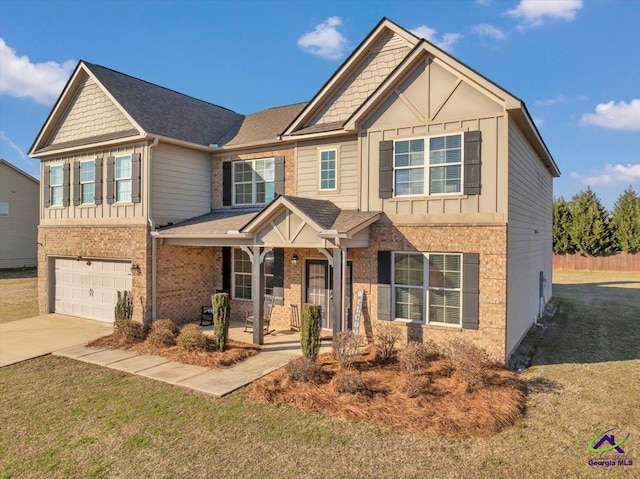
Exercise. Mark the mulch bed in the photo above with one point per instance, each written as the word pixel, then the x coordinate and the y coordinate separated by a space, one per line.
pixel 446 408
pixel 236 352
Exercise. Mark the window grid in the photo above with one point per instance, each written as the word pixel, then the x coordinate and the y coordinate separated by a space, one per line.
pixel 328 169
pixel 55 182
pixel 253 181
pixel 242 273
pixel 87 182
pixel 123 178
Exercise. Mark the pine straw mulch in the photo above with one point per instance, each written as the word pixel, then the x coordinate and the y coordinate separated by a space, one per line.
pixel 236 352
pixel 446 409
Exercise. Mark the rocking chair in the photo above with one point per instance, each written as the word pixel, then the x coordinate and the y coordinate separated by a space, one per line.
pixel 268 308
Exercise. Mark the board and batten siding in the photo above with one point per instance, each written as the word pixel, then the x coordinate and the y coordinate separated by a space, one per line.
pixel 105 213
pixel 308 171
pixel 181 183
pixel 529 236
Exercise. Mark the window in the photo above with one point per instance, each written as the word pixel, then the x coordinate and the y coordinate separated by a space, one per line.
pixel 253 181
pixel 433 277
pixel 56 185
pixel 443 168
pixel 87 179
pixel 4 208
pixel 328 167
pixel 123 178
pixel 242 274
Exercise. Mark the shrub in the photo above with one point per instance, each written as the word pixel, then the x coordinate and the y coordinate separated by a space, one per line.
pixel 192 339
pixel 346 348
pixel 161 337
pixel 304 370
pixel 128 331
pixel 166 324
pixel 416 356
pixel 350 382
pixel 471 362
pixel 221 318
pixel 386 337
pixel 416 385
pixel 310 330
pixel 124 305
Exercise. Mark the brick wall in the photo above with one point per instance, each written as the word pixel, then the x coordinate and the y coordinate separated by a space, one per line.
pixel 99 242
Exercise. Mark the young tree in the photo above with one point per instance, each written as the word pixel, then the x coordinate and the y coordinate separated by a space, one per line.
pixel 589 231
pixel 561 224
pixel 626 221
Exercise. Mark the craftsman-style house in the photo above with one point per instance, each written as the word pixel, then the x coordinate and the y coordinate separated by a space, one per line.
pixel 408 176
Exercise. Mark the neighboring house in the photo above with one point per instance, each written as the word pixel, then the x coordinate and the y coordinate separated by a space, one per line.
pixel 19 200
pixel 408 175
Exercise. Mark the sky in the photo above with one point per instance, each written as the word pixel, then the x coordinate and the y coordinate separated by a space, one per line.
pixel 575 63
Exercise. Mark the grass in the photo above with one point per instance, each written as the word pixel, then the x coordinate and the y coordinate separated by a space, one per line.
pixel 18 294
pixel 62 418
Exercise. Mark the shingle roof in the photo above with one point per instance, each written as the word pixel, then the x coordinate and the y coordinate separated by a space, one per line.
pixel 320 128
pixel 264 125
pixel 322 212
pixel 214 223
pixel 165 112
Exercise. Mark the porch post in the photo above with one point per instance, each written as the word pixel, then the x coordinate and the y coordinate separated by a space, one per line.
pixel 257 293
pixel 336 301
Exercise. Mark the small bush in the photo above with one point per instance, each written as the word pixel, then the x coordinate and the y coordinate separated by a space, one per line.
pixel 127 331
pixel 471 362
pixel 416 356
pixel 350 382
pixel 346 348
pixel 166 324
pixel 304 370
pixel 417 385
pixel 192 339
pixel 124 305
pixel 386 337
pixel 161 337
pixel 310 330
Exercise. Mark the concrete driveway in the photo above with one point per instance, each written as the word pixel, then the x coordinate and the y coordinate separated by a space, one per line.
pixel 29 338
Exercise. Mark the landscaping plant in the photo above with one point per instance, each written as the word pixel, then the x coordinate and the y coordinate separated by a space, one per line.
pixel 310 330
pixel 163 333
pixel 346 348
pixel 192 339
pixel 221 318
pixel 124 305
pixel 386 337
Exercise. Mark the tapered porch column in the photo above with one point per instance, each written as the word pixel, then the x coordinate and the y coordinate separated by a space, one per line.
pixel 337 300
pixel 257 293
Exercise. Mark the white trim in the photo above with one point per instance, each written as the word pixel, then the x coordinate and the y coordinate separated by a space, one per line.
pixel 52 186
pixel 253 183
pixel 335 149
pixel 116 179
pixel 93 182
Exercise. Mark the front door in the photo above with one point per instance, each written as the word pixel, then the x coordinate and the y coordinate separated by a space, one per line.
pixel 319 288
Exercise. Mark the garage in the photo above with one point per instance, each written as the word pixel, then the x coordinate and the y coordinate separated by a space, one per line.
pixel 88 288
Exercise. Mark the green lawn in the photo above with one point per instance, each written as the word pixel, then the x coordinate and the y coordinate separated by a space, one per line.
pixel 18 294
pixel 61 418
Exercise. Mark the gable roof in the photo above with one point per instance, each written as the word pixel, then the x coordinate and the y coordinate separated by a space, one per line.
pixel 18 170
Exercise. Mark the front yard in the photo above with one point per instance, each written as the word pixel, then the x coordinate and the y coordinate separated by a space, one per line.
pixel 18 294
pixel 62 418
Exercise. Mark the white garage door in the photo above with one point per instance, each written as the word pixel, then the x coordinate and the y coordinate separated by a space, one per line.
pixel 89 290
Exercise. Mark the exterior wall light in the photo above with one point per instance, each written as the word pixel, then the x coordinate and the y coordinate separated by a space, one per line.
pixel 294 259
pixel 135 268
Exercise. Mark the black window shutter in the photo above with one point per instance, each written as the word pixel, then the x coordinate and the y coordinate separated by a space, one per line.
pixel 384 285
pixel 470 290
pixel 386 169
pixel 226 183
pixel 76 183
pixel 66 173
pixel 472 143
pixel 97 198
pixel 46 186
pixel 135 178
pixel 110 182
pixel 278 275
pixel 279 175
pixel 226 269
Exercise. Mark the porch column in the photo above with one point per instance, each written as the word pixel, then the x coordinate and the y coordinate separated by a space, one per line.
pixel 257 293
pixel 337 313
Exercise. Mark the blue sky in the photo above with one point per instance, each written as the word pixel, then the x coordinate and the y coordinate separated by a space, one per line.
pixel 575 63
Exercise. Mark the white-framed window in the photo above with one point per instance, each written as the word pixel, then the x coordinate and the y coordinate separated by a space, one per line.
pixel 253 181
pixel 55 182
pixel 242 274
pixel 123 179
pixel 87 182
pixel 427 287
pixel 4 208
pixel 428 166
pixel 328 169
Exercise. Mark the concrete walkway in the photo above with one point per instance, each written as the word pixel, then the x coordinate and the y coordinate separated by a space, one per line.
pixel 29 338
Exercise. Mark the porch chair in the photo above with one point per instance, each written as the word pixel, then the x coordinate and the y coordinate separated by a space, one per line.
pixel 206 316
pixel 268 308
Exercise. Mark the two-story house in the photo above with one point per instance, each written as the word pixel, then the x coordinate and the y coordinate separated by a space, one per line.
pixel 408 176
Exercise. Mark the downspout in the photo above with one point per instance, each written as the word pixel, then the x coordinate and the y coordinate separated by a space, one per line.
pixel 152 228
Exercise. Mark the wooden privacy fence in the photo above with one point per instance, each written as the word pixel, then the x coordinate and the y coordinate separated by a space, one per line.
pixel 615 262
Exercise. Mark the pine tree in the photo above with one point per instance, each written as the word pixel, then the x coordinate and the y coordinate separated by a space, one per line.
pixel 561 224
pixel 589 231
pixel 626 221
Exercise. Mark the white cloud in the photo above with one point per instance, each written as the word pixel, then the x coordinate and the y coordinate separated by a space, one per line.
pixel 21 154
pixel 615 116
pixel 611 175
pixel 21 78
pixel 484 3
pixel 583 97
pixel 552 101
pixel 325 40
pixel 488 30
pixel 539 121
pixel 533 13
pixel 446 42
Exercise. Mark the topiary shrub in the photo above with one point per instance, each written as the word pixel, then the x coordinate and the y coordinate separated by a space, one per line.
pixel 128 332
pixel 163 333
pixel 346 348
pixel 192 338
pixel 304 370
pixel 350 382
pixel 386 337
pixel 124 305
pixel 310 330
pixel 221 318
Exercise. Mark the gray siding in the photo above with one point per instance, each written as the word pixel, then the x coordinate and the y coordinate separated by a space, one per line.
pixel 181 183
pixel 529 210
